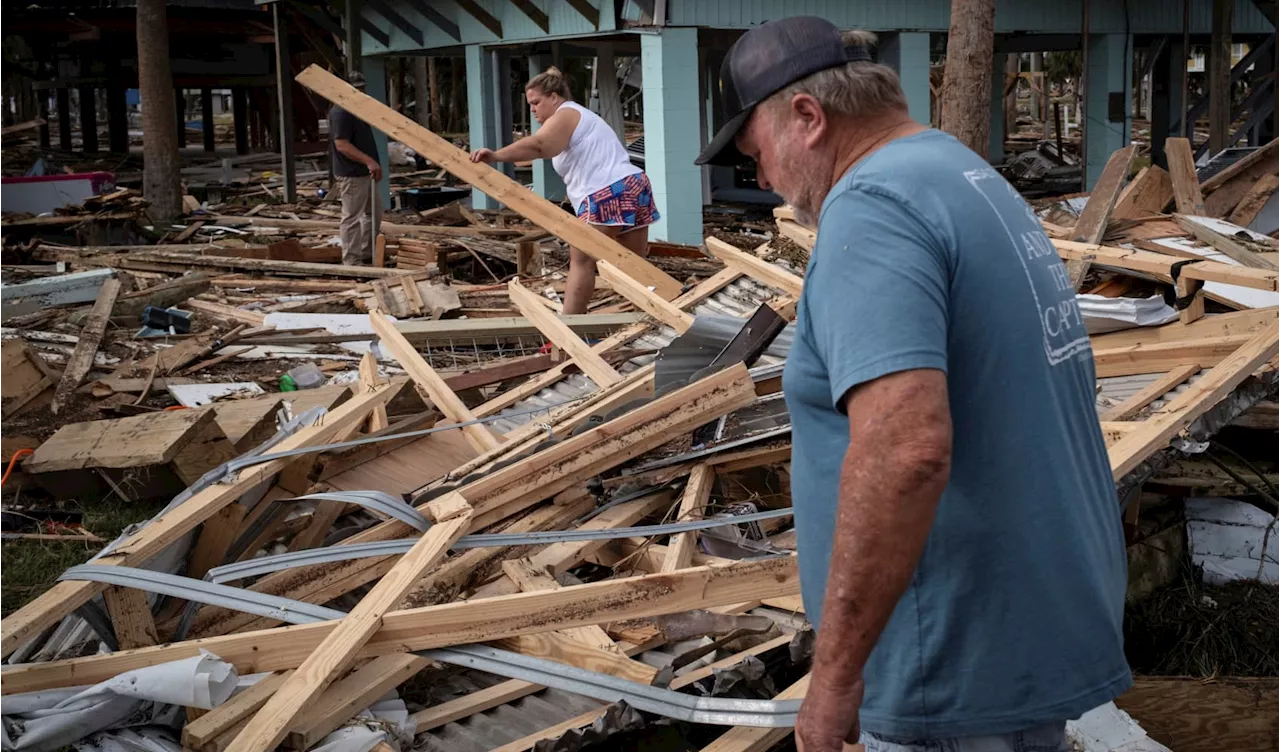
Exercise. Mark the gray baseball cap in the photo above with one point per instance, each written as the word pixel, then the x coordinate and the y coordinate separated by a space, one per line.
pixel 766 60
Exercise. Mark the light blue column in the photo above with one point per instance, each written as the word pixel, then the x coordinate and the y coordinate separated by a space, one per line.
pixel 908 54
pixel 995 148
pixel 482 111
pixel 669 61
pixel 1109 77
pixel 375 73
pixel 546 181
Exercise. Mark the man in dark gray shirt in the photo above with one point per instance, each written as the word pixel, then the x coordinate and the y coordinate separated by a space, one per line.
pixel 354 156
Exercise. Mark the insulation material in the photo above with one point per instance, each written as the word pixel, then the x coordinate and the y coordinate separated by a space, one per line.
pixel 199 395
pixel 385 721
pixel 1107 728
pixel 42 721
pixel 1232 540
pixel 145 739
pixel 1102 314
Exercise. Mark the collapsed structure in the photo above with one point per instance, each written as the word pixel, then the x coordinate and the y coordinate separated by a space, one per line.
pixel 556 543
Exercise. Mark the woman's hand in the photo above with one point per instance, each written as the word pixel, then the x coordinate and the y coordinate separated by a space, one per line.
pixel 483 155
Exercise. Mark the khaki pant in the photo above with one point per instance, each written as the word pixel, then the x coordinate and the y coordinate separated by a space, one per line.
pixel 357 219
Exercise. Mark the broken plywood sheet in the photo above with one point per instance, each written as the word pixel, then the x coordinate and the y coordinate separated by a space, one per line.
pixel 249 422
pixel 409 467
pixel 1233 295
pixel 24 376
pixel 199 395
pixel 334 323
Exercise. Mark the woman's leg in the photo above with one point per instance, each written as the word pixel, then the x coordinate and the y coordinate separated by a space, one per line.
pixel 582 268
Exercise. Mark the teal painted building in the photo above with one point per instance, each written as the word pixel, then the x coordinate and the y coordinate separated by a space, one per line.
pixel 680 44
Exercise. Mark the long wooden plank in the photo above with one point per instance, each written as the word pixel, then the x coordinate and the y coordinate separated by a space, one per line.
pixel 1213 325
pixel 470 704
pixel 458 163
pixel 757 739
pixel 1092 224
pixel 562 336
pixel 1209 389
pixel 352 694
pixel 1187 197
pixel 1160 265
pixel 336 652
pixel 1247 210
pixel 798 234
pixel 66 597
pixel 1161 357
pixel 81 359
pixel 301 268
pixel 447 624
pixel 425 376
pixel 657 307
pixel 559 647
pixel 1150 393
pixel 1238 168
pixel 696 492
pixel 529 578
pixel 226 716
pixel 756 267
pixel 1222 243
pixel 130 617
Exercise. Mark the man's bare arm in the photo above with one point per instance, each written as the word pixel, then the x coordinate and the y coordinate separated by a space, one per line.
pixel 349 150
pixel 894 472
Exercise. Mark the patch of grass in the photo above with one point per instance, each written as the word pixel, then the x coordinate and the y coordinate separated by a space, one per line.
pixel 32 567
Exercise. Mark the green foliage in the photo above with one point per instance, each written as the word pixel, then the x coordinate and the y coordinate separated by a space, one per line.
pixel 1060 66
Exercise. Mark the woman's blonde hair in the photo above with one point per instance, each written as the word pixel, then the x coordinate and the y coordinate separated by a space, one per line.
pixel 551 81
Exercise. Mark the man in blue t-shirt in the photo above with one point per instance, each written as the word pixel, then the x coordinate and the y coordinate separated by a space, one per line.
pixel 957 525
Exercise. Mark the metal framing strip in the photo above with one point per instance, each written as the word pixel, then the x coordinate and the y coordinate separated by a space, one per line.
pixel 379 501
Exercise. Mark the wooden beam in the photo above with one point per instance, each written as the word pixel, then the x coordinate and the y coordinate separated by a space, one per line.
pixel 529 578
pixel 1161 357
pixel 696 492
pixel 1092 224
pixel 1261 192
pixel 587 11
pixel 435 17
pixel 1147 194
pixel 130 617
pixel 486 19
pixel 1269 151
pixel 1207 391
pixel 654 305
pixel 556 646
pixel 66 597
pixel 425 376
pixel 758 739
pixel 1182 171
pixel 354 693
pixel 81 359
pixel 385 10
pixel 756 267
pixel 1222 243
pixel 798 234
pixel 472 703
pixel 1214 325
pixel 1150 393
pixel 369 381
pixel 1190 296
pixel 534 13
pixel 485 178
pixel 562 336
pixel 226 716
pixel 1161 265
pixel 338 649
pixel 447 624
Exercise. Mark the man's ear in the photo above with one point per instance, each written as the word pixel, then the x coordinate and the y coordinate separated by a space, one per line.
pixel 811 118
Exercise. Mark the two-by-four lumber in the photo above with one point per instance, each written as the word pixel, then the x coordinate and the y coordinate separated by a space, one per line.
pixel 529 578
pixel 338 650
pixel 1092 224
pixel 1223 243
pixel 423 375
pixel 1160 357
pixel 350 695
pixel 1147 194
pixel 798 234
pixel 1212 325
pixel 1161 265
pixel 1247 210
pixel 446 624
pixel 760 739
pixel 131 617
pixel 226 716
pixel 1156 431
pixel 756 267
pixel 654 305
pixel 562 336
pixel 1182 172
pixel 1152 392
pixel 370 380
pixel 81 359
pixel 494 183
pixel 65 597
pixel 696 492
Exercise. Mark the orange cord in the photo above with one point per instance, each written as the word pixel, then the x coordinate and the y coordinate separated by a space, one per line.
pixel 14 461
pixel 175 407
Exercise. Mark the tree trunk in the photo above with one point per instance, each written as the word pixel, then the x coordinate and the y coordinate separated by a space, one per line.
pixel 966 81
pixel 455 97
pixel 420 111
pixel 160 178
pixel 433 93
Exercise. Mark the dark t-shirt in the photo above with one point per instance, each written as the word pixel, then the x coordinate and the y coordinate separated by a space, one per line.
pixel 343 124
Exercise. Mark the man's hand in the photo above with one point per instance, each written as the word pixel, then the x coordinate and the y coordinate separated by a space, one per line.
pixel 828 719
pixel 483 155
pixel 375 169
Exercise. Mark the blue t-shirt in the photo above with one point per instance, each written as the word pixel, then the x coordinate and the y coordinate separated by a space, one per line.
pixel 927 258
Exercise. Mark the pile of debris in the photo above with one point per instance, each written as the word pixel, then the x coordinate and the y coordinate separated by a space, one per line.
pixel 464 539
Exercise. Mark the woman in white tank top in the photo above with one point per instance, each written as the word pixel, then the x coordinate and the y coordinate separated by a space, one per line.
pixel 607 191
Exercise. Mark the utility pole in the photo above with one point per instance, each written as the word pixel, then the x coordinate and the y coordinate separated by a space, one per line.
pixel 160 178
pixel 965 110
pixel 1219 80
